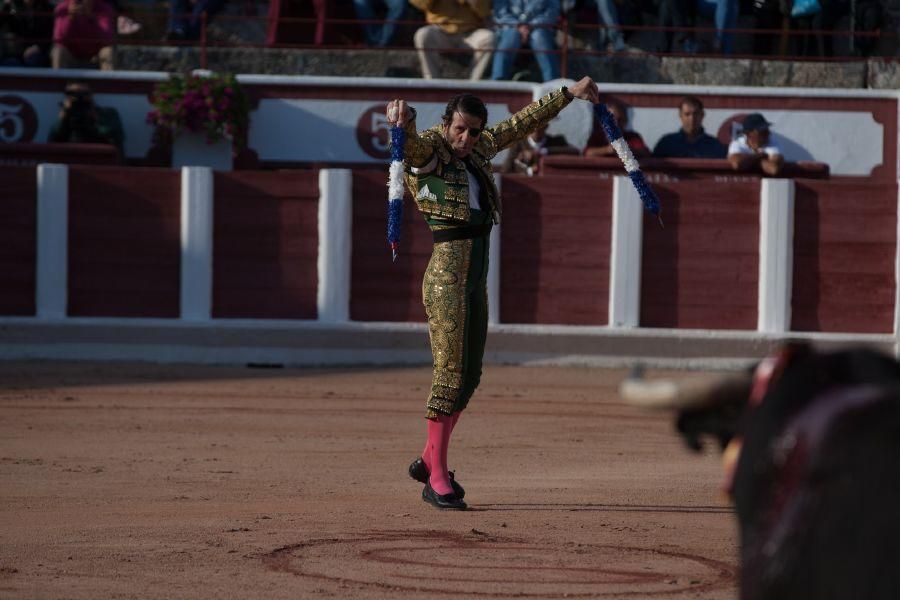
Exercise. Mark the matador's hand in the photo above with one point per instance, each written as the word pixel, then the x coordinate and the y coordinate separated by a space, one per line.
pixel 586 89
pixel 398 112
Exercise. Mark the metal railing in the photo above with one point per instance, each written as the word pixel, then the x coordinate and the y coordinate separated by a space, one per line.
pixel 574 39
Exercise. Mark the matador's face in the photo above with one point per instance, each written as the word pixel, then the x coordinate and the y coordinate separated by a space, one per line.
pixel 462 133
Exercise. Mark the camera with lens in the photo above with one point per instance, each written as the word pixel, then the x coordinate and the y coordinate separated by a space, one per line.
pixel 79 99
pixel 79 108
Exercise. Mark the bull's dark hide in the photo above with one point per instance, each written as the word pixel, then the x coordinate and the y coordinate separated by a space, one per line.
pixel 817 485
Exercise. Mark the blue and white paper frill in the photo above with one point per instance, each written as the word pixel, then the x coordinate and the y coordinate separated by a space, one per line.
pixel 395 190
pixel 617 140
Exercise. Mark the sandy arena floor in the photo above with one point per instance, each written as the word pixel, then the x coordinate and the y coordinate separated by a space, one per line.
pixel 149 481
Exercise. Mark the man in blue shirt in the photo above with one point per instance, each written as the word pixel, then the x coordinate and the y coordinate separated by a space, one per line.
pixel 690 141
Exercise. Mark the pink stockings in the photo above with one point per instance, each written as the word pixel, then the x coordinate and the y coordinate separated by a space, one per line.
pixel 435 453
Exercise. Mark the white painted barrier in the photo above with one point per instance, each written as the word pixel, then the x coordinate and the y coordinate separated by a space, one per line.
pixel 195 336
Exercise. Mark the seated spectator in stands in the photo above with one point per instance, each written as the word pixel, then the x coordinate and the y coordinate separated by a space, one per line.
pixel 753 149
pixel 81 121
pixel 677 13
pixel 84 32
pixel 525 155
pixel 454 24
pixel 186 17
pixel 284 24
pixel 725 14
pixel 379 35
pixel 768 15
pixel 869 18
pixel 26 33
pixel 690 141
pixel 607 21
pixel 521 22
pixel 610 36
pixel 866 16
pixel 685 13
pixel 598 144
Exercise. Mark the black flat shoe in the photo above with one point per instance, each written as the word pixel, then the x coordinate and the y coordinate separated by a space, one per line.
pixel 419 472
pixel 444 502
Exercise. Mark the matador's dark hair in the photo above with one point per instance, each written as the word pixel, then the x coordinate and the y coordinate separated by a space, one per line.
pixel 466 104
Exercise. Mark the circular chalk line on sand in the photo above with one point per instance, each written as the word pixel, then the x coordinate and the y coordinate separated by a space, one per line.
pixel 382 548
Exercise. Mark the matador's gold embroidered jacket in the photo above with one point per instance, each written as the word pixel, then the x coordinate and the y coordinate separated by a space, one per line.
pixel 443 191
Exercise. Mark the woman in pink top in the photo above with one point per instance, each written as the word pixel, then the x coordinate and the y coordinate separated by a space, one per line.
pixel 83 31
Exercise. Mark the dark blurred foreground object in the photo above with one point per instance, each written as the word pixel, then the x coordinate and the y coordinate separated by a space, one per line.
pixel 811 441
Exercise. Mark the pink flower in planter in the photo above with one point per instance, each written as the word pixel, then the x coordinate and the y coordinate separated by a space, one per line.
pixel 214 106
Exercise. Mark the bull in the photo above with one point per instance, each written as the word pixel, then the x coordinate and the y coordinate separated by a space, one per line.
pixel 811 446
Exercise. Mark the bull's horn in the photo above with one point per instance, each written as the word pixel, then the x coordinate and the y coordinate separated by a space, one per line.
pixel 685 394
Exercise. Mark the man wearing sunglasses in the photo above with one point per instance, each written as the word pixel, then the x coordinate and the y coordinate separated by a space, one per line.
pixel 448 172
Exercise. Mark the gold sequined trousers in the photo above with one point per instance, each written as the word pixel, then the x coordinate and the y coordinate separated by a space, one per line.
pixel 454 291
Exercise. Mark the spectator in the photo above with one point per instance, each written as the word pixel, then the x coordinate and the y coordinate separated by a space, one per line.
pixel 610 36
pixel 526 154
pixel 753 149
pixel 83 34
pixel 598 144
pixel 677 13
pixel 768 15
pixel 379 35
pixel 869 17
pixel 82 121
pixel 865 16
pixel 186 17
pixel 690 141
pixel 684 13
pixel 26 31
pixel 283 24
pixel 454 24
pixel 529 22
pixel 725 14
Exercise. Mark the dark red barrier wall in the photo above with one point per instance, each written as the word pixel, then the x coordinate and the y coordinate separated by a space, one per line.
pixel 18 240
pixel 382 290
pixel 124 242
pixel 265 244
pixel 702 270
pixel 555 242
pixel 844 253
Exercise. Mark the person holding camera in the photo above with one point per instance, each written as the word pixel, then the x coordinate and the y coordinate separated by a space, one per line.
pixel 81 121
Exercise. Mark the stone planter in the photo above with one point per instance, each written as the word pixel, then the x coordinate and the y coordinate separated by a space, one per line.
pixel 192 150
